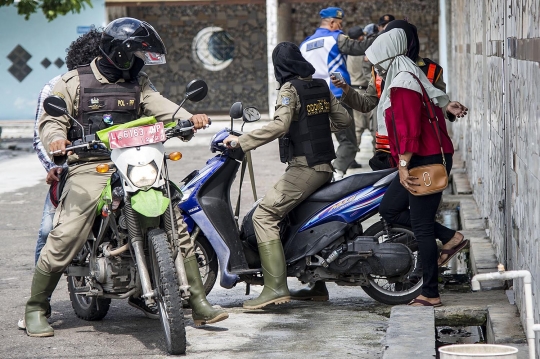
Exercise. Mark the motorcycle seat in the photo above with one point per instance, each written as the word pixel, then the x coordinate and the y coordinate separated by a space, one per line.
pixel 337 190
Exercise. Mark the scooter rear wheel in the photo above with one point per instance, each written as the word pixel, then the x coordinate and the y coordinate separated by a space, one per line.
pixel 380 288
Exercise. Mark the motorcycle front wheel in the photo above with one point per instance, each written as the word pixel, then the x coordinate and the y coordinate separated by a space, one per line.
pixel 167 291
pixel 394 293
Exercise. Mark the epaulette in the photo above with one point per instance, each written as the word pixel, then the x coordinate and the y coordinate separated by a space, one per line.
pixel 69 75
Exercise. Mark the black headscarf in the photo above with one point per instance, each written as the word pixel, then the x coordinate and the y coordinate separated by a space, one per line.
pixel 112 74
pixel 289 63
pixel 413 44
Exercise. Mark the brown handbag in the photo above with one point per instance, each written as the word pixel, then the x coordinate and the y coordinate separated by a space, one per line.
pixel 431 178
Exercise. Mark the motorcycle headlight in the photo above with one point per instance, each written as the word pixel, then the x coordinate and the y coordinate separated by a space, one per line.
pixel 143 176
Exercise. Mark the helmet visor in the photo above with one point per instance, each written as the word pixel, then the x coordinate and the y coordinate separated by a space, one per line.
pixel 151 58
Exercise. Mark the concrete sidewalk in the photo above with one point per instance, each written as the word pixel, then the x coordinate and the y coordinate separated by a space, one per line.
pixel 490 307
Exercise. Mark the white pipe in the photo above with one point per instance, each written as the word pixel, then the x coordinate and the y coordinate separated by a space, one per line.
pixel 526 275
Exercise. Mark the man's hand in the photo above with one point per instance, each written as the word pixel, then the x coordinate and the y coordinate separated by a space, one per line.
pixel 53 175
pixel 200 121
pixel 228 140
pixel 58 148
pixel 340 84
pixel 407 180
pixel 457 109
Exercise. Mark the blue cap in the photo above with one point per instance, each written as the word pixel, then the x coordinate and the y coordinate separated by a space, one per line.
pixel 334 12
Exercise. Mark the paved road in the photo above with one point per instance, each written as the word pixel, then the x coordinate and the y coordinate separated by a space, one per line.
pixel 350 325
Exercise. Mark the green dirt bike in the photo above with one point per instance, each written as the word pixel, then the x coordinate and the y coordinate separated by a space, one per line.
pixel 132 249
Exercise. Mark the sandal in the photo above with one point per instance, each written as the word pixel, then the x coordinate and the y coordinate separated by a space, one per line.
pixel 453 251
pixel 423 303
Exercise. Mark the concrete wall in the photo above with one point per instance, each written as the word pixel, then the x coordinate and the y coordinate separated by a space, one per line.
pixel 495 60
pixel 423 14
pixel 33 52
pixel 245 78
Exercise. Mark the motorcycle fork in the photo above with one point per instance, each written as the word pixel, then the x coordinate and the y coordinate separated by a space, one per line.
pixel 169 221
pixel 136 239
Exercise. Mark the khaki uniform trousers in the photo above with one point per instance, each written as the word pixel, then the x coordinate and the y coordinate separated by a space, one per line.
pixel 362 121
pixel 297 183
pixel 75 216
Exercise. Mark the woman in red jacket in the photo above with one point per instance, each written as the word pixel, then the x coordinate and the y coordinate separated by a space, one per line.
pixel 413 143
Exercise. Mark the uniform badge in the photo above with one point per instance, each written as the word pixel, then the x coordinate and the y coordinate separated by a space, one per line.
pixel 59 94
pixel 95 104
pixel 285 101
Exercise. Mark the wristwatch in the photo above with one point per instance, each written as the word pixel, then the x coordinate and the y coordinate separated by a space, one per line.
pixel 403 163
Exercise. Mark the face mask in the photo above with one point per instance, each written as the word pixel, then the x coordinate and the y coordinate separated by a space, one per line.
pixel 382 71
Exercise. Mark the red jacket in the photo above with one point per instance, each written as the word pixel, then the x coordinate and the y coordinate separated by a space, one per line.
pixel 415 133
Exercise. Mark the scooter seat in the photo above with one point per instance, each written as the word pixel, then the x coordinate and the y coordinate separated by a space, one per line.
pixel 337 190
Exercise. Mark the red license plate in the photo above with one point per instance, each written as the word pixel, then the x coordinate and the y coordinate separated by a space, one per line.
pixel 137 136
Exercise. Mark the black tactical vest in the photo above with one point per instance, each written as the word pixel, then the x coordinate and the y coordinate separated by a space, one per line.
pixel 311 135
pixel 104 105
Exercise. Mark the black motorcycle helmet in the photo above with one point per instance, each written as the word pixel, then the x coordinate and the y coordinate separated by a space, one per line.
pixel 126 37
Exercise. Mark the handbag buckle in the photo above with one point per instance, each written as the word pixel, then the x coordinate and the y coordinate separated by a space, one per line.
pixel 424 176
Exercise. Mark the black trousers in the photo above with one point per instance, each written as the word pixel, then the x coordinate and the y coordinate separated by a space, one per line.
pixel 399 206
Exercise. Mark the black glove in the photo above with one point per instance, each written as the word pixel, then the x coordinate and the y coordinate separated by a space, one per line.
pixel 183 129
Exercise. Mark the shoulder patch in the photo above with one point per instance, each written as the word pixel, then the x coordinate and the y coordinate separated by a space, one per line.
pixel 59 94
pixel 285 101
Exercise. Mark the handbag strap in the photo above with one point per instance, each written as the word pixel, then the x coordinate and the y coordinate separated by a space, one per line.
pixel 432 115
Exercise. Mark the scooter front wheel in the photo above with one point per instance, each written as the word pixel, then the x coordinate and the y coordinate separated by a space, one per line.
pixel 394 293
pixel 207 261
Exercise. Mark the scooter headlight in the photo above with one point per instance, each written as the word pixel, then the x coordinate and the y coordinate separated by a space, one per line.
pixel 143 176
pixel 186 194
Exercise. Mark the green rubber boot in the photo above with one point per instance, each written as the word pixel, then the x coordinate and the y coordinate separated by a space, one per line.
pixel 201 311
pixel 43 285
pixel 314 291
pixel 275 289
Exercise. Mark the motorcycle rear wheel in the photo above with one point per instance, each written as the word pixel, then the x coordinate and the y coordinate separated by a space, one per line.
pixel 401 292
pixel 165 282
pixel 86 308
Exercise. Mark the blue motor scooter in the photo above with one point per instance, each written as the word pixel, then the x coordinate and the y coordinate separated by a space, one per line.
pixel 323 238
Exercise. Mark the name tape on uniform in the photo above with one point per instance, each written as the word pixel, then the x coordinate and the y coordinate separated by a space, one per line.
pixel 321 106
pixel 315 45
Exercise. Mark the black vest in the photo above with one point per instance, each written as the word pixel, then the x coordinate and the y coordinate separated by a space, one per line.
pixel 104 105
pixel 311 135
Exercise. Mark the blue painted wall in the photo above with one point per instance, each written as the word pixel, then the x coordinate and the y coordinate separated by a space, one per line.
pixel 41 39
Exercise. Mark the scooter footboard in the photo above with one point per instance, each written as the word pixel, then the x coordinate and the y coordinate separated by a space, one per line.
pixel 364 255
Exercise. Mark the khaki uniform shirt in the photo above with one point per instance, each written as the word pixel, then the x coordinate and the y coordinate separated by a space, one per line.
pixel 355 68
pixel 152 103
pixel 349 46
pixel 287 110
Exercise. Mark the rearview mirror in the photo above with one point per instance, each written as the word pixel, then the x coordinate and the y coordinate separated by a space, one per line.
pixel 196 90
pixel 237 110
pixel 251 114
pixel 55 106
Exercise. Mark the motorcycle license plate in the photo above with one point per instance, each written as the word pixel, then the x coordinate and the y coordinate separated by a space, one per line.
pixel 137 136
